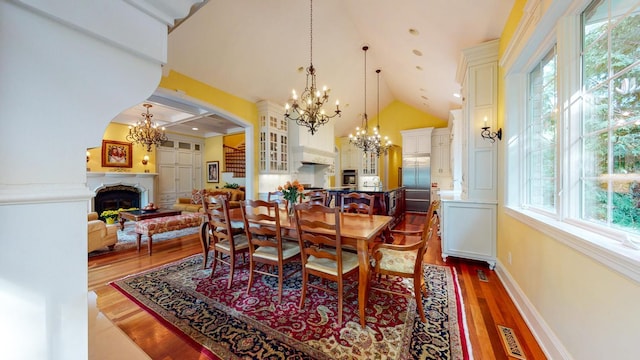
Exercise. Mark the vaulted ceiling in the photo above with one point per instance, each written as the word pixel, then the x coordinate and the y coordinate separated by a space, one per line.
pixel 258 50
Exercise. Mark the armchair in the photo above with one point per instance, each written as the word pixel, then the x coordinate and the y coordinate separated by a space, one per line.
pixel 100 234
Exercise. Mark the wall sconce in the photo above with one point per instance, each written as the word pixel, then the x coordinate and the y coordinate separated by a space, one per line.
pixel 487 134
pixel 88 156
pixel 145 161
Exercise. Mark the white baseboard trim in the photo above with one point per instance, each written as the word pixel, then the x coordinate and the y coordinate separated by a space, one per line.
pixel 548 341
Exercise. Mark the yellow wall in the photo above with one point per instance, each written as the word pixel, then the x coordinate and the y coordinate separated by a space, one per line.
pixel 591 309
pixel 243 109
pixel 234 140
pixel 118 132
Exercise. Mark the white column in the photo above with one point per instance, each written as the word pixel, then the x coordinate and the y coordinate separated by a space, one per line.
pixel 67 68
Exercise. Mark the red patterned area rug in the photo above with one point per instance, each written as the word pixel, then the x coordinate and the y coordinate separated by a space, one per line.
pixel 231 324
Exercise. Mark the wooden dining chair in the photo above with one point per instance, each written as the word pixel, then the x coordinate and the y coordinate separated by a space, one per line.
pixel 406 260
pixel 267 247
pixel 358 203
pixel 205 238
pixel 227 241
pixel 315 196
pixel 278 197
pixel 321 253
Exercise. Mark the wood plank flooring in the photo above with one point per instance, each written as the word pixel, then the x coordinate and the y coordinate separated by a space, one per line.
pixel 487 304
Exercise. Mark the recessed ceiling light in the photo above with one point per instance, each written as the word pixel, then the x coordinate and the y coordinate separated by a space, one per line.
pixel 456 95
pixel 414 32
pixel 424 97
pixel 301 69
pixel 417 52
pixel 194 129
pixel 421 89
pixel 419 67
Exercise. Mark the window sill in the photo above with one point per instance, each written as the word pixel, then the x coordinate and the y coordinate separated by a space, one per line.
pixel 605 250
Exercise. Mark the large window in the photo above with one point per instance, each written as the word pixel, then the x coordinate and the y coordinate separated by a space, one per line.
pixel 610 133
pixel 573 153
pixel 542 134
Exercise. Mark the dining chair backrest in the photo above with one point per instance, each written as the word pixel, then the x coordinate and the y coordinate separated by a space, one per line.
pixel 432 223
pixel 278 197
pixel 317 235
pixel 358 203
pixel 217 210
pixel 315 196
pixel 261 220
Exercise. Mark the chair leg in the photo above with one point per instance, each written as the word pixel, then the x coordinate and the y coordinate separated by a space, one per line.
pixel 252 265
pixel 215 262
pixel 280 281
pixel 340 295
pixel 305 278
pixel 232 264
pixel 417 290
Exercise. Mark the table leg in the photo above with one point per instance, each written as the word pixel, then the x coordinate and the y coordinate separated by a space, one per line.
pixel 363 284
pixel 121 223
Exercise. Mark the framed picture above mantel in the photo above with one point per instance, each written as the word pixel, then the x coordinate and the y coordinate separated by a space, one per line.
pixel 116 154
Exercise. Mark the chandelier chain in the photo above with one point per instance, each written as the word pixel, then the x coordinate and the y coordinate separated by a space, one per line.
pixel 380 146
pixel 311 33
pixel 307 110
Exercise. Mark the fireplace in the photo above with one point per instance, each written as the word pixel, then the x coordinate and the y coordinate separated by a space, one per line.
pixel 131 190
pixel 116 197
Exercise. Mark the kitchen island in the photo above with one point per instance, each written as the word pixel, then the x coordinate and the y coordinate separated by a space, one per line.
pixel 389 201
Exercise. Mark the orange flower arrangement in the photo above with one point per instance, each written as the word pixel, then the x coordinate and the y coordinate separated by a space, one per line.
pixel 291 191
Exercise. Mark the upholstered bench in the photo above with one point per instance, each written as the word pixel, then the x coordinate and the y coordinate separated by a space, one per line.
pixel 159 225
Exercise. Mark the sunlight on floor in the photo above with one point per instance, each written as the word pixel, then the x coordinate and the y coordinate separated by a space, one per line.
pixel 104 337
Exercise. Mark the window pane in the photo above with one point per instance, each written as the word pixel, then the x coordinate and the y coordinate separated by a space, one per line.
pixel 541 135
pixel 610 194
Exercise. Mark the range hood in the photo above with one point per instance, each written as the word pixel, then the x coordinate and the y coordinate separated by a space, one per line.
pixel 304 155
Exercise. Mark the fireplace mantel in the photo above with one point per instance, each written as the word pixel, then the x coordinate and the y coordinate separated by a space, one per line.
pixel 144 182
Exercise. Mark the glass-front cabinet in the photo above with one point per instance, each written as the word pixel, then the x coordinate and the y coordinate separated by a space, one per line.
pixel 274 139
pixel 369 163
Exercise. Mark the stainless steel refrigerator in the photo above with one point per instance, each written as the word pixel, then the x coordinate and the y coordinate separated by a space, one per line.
pixel 416 178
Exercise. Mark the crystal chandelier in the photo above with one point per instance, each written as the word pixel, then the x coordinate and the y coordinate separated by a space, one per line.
pixel 382 145
pixel 362 139
pixel 307 111
pixel 145 132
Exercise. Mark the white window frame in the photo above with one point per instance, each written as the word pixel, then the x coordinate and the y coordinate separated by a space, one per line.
pixel 561 25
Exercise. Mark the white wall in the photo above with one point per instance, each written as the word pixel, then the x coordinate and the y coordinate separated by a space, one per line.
pixel 67 68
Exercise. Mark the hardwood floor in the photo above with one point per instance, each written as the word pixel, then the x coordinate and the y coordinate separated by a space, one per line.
pixel 486 303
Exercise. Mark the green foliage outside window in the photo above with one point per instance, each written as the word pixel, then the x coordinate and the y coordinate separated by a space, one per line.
pixel 611 115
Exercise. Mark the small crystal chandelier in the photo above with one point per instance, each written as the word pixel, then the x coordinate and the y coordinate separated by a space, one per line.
pixel 382 145
pixel 307 111
pixel 362 139
pixel 145 132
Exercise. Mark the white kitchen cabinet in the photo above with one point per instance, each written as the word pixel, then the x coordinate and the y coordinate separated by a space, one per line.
pixel 416 141
pixel 469 230
pixel 273 148
pixel 369 163
pixel 440 153
pixel 456 140
pixel 480 106
pixel 350 156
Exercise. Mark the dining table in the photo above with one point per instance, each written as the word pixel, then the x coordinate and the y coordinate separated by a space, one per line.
pixel 357 230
